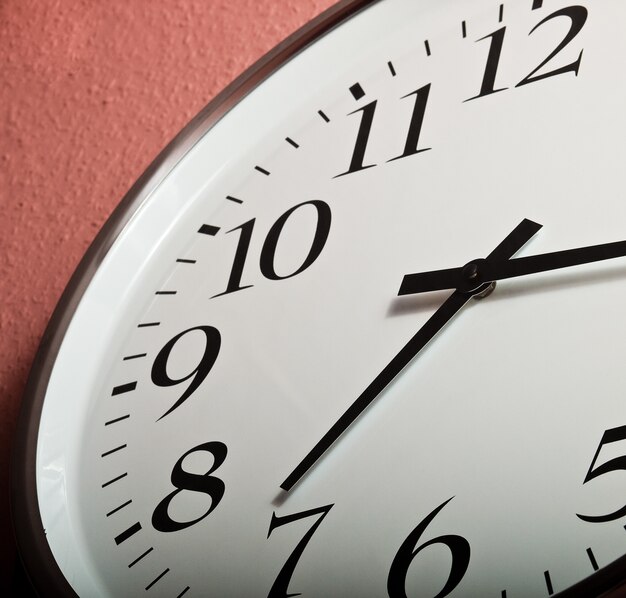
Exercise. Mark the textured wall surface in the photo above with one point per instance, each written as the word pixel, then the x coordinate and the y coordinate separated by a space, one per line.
pixel 89 93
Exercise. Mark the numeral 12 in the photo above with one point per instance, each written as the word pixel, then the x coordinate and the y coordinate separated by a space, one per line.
pixel 577 16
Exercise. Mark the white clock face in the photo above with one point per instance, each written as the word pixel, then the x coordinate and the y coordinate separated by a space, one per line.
pixel 252 299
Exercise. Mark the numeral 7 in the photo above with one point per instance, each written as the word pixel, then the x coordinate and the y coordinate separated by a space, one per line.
pixel 280 589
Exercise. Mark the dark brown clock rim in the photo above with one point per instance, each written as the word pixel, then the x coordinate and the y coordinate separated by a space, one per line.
pixel 41 567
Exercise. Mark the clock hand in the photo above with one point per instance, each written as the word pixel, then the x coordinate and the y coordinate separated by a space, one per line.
pixel 479 272
pixel 511 244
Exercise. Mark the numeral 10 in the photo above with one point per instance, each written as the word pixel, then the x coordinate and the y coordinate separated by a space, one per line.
pixel 268 251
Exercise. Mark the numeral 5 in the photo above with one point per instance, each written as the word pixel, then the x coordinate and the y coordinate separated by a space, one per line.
pixel 617 464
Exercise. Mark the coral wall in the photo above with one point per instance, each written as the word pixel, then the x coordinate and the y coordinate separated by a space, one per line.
pixel 90 92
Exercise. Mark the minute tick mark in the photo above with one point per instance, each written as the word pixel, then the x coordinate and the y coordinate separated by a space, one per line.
pixel 116 479
pixel 141 557
pixel 464 29
pixel 427 46
pixel 166 293
pixel 138 356
pixel 183 261
pixel 183 592
pixel 546 574
pixel 262 170
pixel 118 448
pixel 157 579
pixel 116 509
pixel 149 325
pixel 117 419
pixel 392 70
pixel 291 142
pixel 501 13
pixel 231 198
pixel 323 115
pixel 592 559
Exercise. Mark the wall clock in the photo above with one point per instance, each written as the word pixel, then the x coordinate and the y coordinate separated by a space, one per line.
pixel 359 331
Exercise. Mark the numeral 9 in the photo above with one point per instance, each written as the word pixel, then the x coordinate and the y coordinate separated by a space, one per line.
pixel 160 377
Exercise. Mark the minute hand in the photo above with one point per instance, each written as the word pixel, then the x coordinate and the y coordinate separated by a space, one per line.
pixel 456 278
pixel 511 244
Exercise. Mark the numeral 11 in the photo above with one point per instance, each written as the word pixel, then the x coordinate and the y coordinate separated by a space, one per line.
pixel 357 163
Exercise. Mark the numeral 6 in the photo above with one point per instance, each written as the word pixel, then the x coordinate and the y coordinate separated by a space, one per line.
pixel 459 547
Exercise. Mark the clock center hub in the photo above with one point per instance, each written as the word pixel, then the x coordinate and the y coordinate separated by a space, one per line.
pixel 471 272
pixel 474 281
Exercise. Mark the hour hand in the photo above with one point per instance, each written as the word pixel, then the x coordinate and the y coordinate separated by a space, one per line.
pixel 467 276
pixel 435 280
pixel 479 272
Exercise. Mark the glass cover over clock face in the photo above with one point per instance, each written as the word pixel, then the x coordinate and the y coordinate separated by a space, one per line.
pixel 229 413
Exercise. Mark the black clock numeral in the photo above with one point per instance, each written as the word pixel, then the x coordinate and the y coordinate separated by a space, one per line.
pixel 616 464
pixel 578 17
pixel 185 481
pixel 362 138
pixel 280 588
pixel 159 374
pixel 493 60
pixel 412 138
pixel 270 246
pixel 459 547
pixel 415 126
pixel 322 229
pixel 241 253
